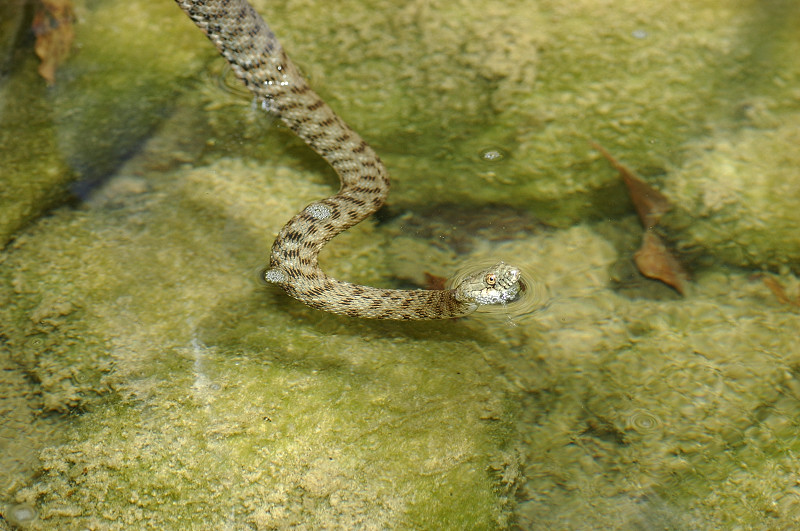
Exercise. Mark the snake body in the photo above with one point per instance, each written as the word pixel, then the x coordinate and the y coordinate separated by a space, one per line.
pixel 258 59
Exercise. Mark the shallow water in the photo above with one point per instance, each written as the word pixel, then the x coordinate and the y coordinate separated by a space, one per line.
pixel 151 381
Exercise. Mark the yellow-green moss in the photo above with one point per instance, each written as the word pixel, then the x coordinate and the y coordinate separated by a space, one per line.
pixel 34 174
pixel 121 82
pixel 335 425
pixel 737 197
pixel 433 86
pixel 200 396
pixel 116 86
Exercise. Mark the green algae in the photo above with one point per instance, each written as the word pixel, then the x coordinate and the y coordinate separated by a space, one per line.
pixel 655 84
pixel 199 396
pixel 259 441
pixel 738 197
pixel 336 425
pixel 35 176
pixel 23 432
pixel 269 413
pixel 539 81
pixel 112 95
pixel 645 81
pixel 12 17
pixel 645 413
pixel 109 96
pixel 734 190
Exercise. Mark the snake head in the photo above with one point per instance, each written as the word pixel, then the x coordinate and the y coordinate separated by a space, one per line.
pixel 498 284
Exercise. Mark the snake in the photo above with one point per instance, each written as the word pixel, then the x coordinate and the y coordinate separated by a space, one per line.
pixel 257 58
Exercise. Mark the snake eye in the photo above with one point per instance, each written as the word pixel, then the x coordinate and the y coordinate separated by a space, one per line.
pixel 491 279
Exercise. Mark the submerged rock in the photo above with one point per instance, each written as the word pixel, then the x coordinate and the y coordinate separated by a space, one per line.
pixel 187 393
pixel 738 197
pixel 108 97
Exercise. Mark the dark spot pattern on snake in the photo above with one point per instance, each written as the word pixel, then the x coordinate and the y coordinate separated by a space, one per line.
pixel 258 59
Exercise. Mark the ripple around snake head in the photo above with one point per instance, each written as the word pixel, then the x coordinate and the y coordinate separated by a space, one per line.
pixel 531 298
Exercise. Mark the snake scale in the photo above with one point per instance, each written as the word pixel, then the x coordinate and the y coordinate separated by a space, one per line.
pixel 258 59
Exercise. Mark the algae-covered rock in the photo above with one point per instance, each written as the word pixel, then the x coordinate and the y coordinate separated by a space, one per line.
pixel 449 82
pixel 652 414
pixel 434 86
pixel 232 404
pixel 34 174
pixel 108 97
pixel 12 18
pixel 196 396
pixel 273 413
pixel 122 82
pixel 736 191
pixel 737 198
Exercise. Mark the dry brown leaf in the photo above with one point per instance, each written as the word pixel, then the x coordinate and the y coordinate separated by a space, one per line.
pixel 655 260
pixel 650 203
pixel 53 27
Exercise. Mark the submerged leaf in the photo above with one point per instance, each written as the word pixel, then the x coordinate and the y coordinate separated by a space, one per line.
pixel 52 25
pixel 650 203
pixel 655 260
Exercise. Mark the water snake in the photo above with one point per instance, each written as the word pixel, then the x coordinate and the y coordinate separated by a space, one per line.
pixel 258 59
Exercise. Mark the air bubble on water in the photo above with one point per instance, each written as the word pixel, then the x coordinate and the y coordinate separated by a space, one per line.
pixel 492 154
